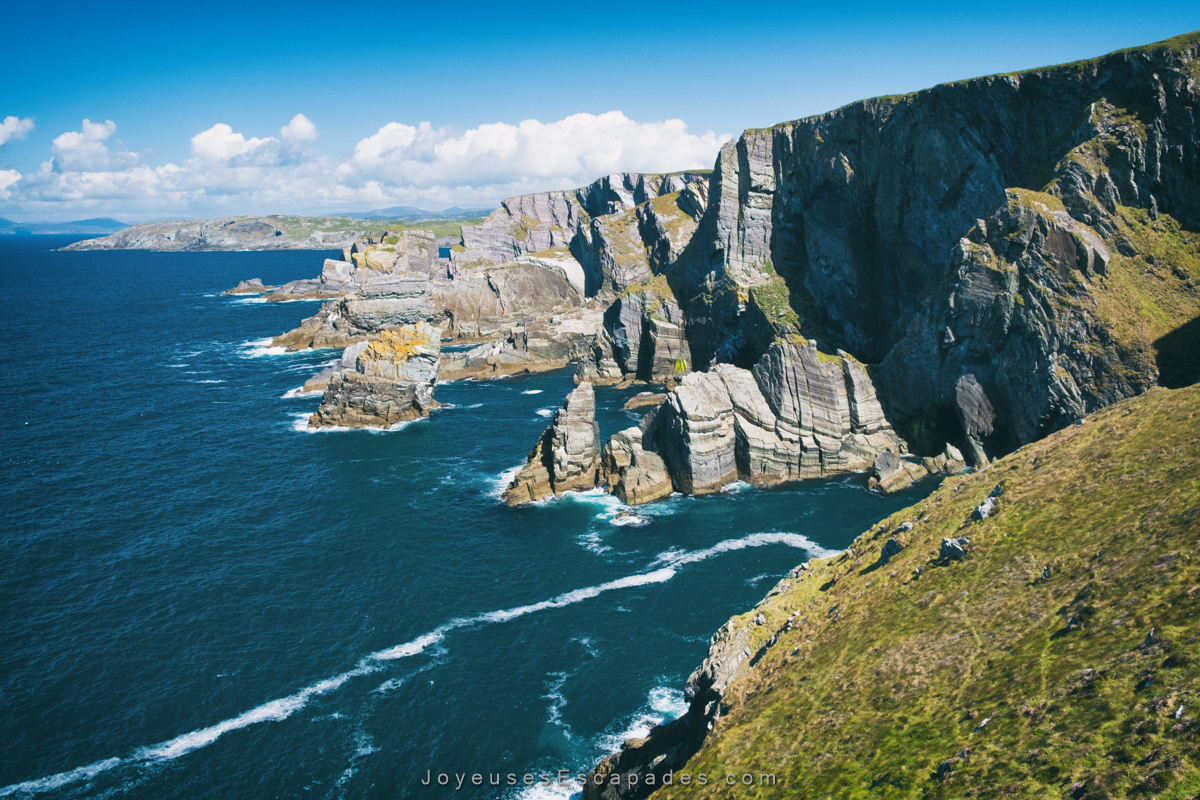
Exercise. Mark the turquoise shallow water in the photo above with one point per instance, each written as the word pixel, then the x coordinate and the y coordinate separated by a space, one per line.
pixel 201 599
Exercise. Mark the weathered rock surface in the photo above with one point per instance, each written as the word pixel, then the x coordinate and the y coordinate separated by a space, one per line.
pixel 797 414
pixel 368 264
pixel 235 233
pixel 634 475
pixel 392 381
pixel 548 220
pixel 645 399
pixel 531 344
pixel 567 455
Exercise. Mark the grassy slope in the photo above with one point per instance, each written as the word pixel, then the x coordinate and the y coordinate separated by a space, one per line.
pixel 895 674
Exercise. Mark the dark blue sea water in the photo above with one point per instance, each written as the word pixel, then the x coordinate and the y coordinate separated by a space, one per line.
pixel 201 599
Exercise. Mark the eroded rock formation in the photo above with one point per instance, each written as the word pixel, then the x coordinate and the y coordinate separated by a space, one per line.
pixel 392 381
pixel 567 455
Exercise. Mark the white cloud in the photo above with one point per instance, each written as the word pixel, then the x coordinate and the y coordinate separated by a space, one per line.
pixel 13 128
pixel 7 178
pixel 84 150
pixel 220 145
pixel 300 130
pixel 400 164
pixel 577 149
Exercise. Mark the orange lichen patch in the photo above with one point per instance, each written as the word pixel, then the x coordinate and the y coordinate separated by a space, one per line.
pixel 400 345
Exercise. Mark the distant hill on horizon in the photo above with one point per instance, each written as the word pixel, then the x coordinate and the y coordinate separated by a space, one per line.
pixel 413 214
pixel 99 225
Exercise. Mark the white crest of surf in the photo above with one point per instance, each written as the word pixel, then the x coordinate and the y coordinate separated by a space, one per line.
pixel 663 704
pixel 300 425
pixel 257 348
pixel 545 412
pixel 677 558
pixel 501 481
pixel 291 394
pixel 533 391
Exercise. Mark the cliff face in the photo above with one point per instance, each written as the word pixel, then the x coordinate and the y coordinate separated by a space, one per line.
pixel 1043 648
pixel 538 222
pixel 980 240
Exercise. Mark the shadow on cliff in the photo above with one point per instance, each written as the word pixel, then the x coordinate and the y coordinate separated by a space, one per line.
pixel 1177 356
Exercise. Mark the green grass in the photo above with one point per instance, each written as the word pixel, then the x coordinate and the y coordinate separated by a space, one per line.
pixel 894 674
pixel 443 227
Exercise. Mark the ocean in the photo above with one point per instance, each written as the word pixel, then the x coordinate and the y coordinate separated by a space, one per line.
pixel 201 598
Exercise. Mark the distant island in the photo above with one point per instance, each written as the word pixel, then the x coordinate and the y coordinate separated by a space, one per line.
pixel 276 232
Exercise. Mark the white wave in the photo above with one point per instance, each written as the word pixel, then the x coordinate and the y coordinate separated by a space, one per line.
pixel 629 521
pixel 755 580
pixel 501 481
pixel 300 425
pixel 533 391
pixel 662 705
pixel 545 412
pixel 676 558
pixel 258 299
pixel 555 791
pixel 273 711
pixel 592 541
pixel 61 779
pixel 257 348
pixel 176 366
pixel 291 394
pixel 735 487
pixel 209 381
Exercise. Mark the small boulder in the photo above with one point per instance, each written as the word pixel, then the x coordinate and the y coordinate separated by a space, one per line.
pixel 891 548
pixel 954 549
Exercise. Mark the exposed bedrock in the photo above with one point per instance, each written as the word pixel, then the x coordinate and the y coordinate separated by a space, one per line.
pixel 631 473
pixel 412 253
pixel 486 302
pixel 798 414
pixel 549 220
pixel 531 344
pixel 567 455
pixel 386 302
pixel 392 380
pixel 1006 227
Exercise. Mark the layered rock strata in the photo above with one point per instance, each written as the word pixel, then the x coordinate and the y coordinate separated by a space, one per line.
pixel 252 286
pixel 631 473
pixel 393 381
pixel 567 455
pixel 369 259
pixel 531 344
pixel 798 414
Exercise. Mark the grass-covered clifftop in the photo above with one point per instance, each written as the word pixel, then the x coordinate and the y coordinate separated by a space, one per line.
pixel 1057 659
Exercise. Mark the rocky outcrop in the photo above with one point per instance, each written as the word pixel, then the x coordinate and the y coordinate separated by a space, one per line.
pixel 367 261
pixel 392 381
pixel 644 336
pixel 986 242
pixel 631 473
pixel 486 302
pixel 252 286
pixel 548 220
pixel 567 455
pixel 892 472
pixel 387 301
pixel 531 344
pixel 798 414
pixel 236 233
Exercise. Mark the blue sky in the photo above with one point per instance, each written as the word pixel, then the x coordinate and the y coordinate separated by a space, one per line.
pixel 165 74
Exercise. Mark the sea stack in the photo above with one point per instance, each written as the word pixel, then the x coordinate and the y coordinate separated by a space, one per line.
pixel 392 381
pixel 567 455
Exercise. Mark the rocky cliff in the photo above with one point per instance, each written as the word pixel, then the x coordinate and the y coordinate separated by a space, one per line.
pixel 1008 249
pixel 392 381
pixel 1038 648
pixel 237 233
